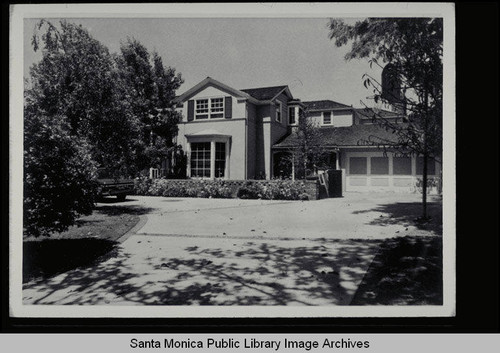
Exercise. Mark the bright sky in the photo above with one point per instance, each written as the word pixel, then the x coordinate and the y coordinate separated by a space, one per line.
pixel 240 52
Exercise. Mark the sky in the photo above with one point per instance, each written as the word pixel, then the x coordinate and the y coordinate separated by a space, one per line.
pixel 240 52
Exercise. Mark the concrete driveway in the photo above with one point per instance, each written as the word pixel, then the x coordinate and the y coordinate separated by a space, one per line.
pixel 238 252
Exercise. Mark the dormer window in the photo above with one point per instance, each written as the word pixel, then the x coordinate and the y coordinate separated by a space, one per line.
pixel 278 111
pixel 209 108
pixel 327 118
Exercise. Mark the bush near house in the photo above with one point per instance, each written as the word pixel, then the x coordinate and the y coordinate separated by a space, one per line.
pixel 267 190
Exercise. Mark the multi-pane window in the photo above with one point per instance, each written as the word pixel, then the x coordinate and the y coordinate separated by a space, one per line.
pixel 327 118
pixel 291 116
pixel 278 111
pixel 401 166
pixel 379 165
pixel 357 165
pixel 209 108
pixel 216 108
pixel 202 110
pixel 200 159
pixel 220 159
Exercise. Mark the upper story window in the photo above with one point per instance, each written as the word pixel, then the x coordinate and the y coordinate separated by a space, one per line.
pixel 327 118
pixel 278 111
pixel 292 117
pixel 209 108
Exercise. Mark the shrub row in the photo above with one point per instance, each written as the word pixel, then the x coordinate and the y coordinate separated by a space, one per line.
pixel 271 190
pixel 169 188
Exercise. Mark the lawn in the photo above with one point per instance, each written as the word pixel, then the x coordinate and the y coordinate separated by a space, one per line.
pixel 91 238
pixel 406 271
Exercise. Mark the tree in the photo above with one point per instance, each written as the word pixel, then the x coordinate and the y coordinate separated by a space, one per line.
pixel 87 108
pixel 59 175
pixel 410 50
pixel 307 151
pixel 77 79
pixel 150 88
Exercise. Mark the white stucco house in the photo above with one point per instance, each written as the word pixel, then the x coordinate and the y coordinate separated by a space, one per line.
pixel 236 134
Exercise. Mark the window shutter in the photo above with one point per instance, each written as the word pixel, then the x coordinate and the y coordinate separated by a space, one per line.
pixel 191 110
pixel 228 107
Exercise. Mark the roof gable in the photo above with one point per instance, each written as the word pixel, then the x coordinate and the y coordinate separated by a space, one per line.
pixel 267 93
pixel 214 83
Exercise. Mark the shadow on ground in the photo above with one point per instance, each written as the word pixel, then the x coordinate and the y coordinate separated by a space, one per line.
pixel 49 257
pixel 123 210
pixel 407 214
pixel 406 271
pixel 114 200
pixel 258 274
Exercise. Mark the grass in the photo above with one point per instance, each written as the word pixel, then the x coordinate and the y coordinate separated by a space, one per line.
pixel 91 238
pixel 406 271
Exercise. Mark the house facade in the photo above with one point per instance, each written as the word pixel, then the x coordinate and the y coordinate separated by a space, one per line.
pixel 237 134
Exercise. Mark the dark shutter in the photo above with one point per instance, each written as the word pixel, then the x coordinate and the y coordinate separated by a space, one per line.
pixel 228 107
pixel 191 110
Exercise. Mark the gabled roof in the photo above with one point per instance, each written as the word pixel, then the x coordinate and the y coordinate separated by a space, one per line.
pixel 265 93
pixel 212 82
pixel 345 136
pixel 324 105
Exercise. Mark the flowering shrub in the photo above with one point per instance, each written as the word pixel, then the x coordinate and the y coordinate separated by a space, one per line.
pixel 277 190
pixel 272 190
pixel 170 188
pixel 142 185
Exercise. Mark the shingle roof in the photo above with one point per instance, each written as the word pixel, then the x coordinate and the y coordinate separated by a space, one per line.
pixel 325 104
pixel 345 136
pixel 369 113
pixel 264 93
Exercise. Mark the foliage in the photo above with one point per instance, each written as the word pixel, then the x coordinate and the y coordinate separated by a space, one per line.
pixel 308 150
pixel 58 176
pixel 412 49
pixel 77 79
pixel 117 110
pixel 149 88
pixel 275 190
pixel 192 188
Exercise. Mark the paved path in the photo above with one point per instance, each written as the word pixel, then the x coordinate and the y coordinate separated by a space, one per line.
pixel 236 252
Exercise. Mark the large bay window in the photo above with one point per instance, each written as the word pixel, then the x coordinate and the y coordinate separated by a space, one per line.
pixel 220 159
pixel 208 156
pixel 200 159
pixel 209 108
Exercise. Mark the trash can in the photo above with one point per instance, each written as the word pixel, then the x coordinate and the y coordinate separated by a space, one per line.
pixel 334 182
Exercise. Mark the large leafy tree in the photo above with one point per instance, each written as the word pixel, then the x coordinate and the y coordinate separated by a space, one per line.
pixel 77 79
pixel 410 50
pixel 87 108
pixel 150 89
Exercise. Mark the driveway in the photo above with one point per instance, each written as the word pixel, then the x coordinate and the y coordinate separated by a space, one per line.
pixel 238 252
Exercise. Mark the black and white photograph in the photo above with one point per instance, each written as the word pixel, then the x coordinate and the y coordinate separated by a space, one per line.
pixel 233 160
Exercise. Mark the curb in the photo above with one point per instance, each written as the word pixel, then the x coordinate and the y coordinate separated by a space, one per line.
pixel 142 221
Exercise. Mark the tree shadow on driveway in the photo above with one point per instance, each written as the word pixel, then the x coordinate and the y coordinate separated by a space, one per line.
pixel 407 214
pixel 257 273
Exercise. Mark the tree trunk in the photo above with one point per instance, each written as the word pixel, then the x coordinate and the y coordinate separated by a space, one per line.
pixel 426 157
pixel 424 187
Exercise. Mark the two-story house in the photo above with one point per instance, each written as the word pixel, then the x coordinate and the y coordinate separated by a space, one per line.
pixel 234 134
